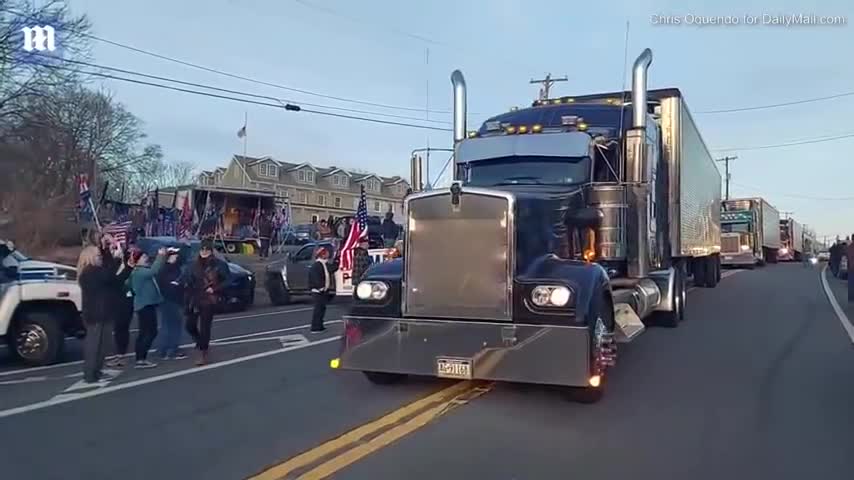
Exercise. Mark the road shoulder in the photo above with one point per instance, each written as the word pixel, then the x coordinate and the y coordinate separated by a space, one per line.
pixel 837 294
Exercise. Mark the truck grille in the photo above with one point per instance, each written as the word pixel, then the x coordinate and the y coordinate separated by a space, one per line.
pixel 730 244
pixel 458 258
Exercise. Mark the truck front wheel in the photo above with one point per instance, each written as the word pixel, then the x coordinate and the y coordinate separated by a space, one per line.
pixel 603 312
pixel 37 338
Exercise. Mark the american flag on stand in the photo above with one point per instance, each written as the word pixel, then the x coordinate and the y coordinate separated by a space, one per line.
pixel 85 194
pixel 358 233
pixel 119 231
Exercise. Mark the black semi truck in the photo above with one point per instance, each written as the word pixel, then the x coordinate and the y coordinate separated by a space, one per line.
pixel 569 226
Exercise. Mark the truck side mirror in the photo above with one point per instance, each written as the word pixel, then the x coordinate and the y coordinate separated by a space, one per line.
pixel 11 272
pixel 585 217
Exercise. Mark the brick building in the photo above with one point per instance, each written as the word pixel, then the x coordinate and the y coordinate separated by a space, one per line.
pixel 314 192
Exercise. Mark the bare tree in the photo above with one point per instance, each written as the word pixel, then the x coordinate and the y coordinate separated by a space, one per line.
pixel 25 75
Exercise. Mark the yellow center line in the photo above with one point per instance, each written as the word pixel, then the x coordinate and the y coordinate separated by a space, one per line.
pixel 383 440
pixel 315 454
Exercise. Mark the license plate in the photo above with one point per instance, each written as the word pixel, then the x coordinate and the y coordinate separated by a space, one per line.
pixel 727 257
pixel 453 368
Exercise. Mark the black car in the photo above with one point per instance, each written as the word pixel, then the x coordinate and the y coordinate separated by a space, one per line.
pixel 288 277
pixel 239 292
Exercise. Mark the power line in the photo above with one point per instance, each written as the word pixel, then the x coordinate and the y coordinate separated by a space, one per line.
pixel 778 105
pixel 238 92
pixel 789 144
pixel 259 82
pixel 287 106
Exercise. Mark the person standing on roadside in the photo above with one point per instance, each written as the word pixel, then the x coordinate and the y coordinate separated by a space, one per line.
pixel 121 302
pixel 171 286
pixel 97 280
pixel 390 230
pixel 320 283
pixel 146 299
pixel 205 280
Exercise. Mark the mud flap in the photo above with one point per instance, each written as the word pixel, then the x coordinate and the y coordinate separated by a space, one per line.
pixel 628 323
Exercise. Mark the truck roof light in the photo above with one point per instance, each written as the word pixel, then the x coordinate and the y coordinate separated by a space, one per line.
pixel 537 128
pixel 523 129
pixel 472 134
pixel 582 126
pixel 510 129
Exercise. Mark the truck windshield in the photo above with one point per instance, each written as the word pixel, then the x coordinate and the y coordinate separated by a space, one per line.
pixel 526 170
pixel 735 227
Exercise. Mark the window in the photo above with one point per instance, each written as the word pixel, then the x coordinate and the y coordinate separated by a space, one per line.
pixel 372 184
pixel 301 175
pixel 314 218
pixel 377 206
pixel 337 202
pixel 321 200
pixel 345 182
pixel 309 176
pixel 303 197
pixel 268 170
pixel 336 180
pixel 305 176
pixel 305 253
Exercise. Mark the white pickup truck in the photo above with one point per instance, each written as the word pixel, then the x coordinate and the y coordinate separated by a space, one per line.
pixel 39 306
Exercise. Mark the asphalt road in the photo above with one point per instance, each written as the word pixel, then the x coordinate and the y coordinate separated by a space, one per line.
pixel 757 383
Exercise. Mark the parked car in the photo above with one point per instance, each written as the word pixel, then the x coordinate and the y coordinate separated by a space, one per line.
pixel 239 291
pixel 843 267
pixel 288 276
pixel 824 256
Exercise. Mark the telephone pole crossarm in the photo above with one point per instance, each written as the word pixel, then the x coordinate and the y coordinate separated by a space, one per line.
pixel 547 84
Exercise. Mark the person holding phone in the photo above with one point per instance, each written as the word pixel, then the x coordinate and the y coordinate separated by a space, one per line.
pixel 146 299
pixel 171 286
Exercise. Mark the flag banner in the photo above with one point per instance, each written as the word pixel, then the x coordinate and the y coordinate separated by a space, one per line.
pixel 242 132
pixel 358 232
pixel 120 231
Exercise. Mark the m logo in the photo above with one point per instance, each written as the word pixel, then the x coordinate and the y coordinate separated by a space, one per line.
pixel 39 38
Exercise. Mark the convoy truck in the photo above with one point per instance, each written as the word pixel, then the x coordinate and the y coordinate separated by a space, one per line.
pixel 750 232
pixel 567 225
pixel 792 239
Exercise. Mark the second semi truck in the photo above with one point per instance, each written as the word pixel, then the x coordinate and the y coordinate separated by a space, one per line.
pixel 792 241
pixel 568 224
pixel 750 232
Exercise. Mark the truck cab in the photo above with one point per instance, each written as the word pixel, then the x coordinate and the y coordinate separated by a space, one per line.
pixel 39 306
pixel 559 235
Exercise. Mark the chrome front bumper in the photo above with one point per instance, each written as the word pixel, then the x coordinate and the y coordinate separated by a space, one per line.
pixel 738 259
pixel 544 354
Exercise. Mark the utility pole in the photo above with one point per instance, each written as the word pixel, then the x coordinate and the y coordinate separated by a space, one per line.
pixel 787 214
pixel 726 161
pixel 547 84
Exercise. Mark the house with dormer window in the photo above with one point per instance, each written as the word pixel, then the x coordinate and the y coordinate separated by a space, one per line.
pixel 315 191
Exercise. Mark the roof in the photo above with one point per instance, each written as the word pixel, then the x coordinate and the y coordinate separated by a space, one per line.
pixel 246 162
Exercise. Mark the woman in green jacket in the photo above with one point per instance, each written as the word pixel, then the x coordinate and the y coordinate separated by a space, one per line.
pixel 146 298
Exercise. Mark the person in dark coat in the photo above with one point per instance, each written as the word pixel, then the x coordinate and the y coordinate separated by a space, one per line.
pixel 171 286
pixel 206 278
pixel 320 281
pixel 361 263
pixel 835 257
pixel 121 301
pixel 265 232
pixel 389 230
pixel 97 279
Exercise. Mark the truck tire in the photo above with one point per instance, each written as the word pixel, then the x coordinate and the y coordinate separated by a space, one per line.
pixel 384 378
pixel 711 271
pixel 279 295
pixel 698 271
pixel 37 338
pixel 672 318
pixel 605 310
pixel 718 268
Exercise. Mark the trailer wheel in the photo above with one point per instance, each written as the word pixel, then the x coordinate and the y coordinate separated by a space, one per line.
pixel 717 269
pixel 711 272
pixel 384 378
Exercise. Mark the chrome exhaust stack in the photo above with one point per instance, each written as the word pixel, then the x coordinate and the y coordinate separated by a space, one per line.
pixel 415 173
pixel 459 83
pixel 638 173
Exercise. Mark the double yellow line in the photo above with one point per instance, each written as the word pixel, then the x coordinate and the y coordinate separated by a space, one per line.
pixel 350 447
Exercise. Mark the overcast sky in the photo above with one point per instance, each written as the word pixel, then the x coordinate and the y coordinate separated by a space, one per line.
pixel 376 51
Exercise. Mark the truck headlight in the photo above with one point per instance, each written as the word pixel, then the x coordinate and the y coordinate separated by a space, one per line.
pixel 745 248
pixel 369 290
pixel 550 296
